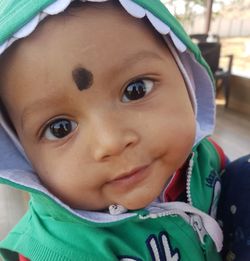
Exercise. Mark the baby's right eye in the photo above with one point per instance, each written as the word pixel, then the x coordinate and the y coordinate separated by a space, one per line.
pixel 59 128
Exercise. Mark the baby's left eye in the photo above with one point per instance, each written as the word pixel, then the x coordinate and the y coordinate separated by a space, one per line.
pixel 137 90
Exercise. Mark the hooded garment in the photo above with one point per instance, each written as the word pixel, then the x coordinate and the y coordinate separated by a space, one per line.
pixel 51 230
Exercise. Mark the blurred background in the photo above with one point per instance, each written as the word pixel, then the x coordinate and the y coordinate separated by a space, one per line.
pixel 222 31
pixel 227 19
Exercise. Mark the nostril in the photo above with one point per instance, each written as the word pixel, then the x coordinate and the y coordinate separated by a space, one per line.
pixel 106 157
pixel 129 144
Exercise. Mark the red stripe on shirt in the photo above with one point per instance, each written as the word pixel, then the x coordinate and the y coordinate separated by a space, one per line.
pixel 22 258
pixel 223 158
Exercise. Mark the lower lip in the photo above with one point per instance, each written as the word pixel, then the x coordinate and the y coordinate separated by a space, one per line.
pixel 131 180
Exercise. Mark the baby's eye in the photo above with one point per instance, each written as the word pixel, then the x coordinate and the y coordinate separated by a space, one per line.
pixel 137 90
pixel 59 128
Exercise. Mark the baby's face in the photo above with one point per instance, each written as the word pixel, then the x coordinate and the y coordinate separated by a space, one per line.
pixel 100 108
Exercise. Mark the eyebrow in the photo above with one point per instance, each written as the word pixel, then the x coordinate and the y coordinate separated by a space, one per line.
pixel 42 104
pixel 83 78
pixel 139 56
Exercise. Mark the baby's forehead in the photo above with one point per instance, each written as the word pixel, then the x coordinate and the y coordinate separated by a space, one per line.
pixel 83 18
pixel 66 41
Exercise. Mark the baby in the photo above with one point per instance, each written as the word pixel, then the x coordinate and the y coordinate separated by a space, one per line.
pixel 106 110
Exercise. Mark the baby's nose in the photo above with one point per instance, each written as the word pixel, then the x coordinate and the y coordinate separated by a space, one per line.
pixel 111 137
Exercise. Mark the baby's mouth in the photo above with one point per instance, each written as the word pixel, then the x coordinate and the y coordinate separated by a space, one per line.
pixel 129 179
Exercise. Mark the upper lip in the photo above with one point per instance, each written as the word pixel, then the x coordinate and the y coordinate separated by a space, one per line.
pixel 129 173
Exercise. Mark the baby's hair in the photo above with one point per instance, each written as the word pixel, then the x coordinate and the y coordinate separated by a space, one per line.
pixel 76 4
pixel 79 4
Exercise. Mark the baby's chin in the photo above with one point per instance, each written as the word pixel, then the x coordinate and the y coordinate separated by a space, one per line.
pixel 136 204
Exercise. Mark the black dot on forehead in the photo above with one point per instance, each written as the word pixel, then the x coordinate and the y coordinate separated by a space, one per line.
pixel 82 78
